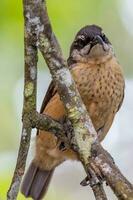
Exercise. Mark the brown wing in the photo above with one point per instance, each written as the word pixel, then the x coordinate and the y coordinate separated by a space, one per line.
pixel 51 91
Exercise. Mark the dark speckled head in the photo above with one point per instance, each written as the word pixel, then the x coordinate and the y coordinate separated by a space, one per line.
pixel 89 42
pixel 90 31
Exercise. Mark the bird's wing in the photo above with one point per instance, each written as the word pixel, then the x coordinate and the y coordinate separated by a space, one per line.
pixel 51 91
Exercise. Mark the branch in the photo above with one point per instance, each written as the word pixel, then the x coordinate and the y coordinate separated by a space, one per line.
pixel 46 123
pixel 99 192
pixel 75 109
pixel 122 188
pixel 28 107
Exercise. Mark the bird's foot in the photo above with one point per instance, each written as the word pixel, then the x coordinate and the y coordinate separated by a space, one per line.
pixel 94 177
pixel 85 181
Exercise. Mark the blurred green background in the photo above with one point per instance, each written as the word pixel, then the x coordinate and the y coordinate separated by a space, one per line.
pixel 67 17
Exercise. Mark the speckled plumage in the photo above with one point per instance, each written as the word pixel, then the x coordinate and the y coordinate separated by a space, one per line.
pixel 101 87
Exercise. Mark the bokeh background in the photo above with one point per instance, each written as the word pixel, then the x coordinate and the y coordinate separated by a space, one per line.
pixel 67 17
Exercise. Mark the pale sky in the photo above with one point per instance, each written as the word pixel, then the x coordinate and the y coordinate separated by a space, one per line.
pixel 127 14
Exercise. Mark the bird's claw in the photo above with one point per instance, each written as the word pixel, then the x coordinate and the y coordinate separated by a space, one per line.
pixel 94 177
pixel 85 182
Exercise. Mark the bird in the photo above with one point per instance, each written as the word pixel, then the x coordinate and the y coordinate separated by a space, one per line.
pixel 100 82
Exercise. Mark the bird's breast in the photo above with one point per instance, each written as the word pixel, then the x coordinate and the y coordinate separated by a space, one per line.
pixel 101 89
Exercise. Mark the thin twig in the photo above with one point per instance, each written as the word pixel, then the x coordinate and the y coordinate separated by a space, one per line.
pixel 46 123
pixel 28 107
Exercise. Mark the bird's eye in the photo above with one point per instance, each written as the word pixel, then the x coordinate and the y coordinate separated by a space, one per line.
pixel 103 36
pixel 105 39
pixel 80 42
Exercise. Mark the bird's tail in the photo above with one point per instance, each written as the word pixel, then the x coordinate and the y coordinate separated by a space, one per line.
pixel 36 182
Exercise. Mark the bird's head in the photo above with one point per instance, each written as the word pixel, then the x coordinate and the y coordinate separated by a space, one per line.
pixel 90 44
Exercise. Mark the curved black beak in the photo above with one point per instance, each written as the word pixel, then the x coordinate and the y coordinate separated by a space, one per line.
pixel 98 40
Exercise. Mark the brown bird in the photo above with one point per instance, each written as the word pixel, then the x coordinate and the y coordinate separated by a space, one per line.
pixel 100 82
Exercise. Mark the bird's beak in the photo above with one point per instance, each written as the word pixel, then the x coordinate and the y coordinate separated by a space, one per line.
pixel 99 40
